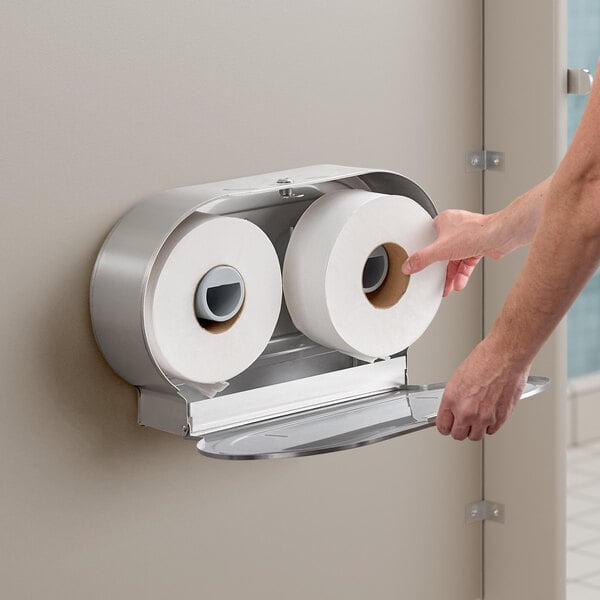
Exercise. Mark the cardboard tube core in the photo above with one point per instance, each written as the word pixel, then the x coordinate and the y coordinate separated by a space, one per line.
pixel 395 284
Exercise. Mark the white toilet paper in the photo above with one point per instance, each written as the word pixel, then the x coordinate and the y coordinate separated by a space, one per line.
pixel 323 273
pixel 208 351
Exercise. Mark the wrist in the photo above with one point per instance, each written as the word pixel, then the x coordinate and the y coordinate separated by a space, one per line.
pixel 500 234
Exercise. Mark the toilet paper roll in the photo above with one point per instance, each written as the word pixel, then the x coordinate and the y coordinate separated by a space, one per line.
pixel 213 298
pixel 329 293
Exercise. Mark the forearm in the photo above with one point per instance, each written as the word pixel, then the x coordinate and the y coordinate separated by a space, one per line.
pixel 565 253
pixel 515 225
pixel 566 249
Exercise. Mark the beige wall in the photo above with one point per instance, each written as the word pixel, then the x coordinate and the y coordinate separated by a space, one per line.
pixel 106 102
pixel 525 116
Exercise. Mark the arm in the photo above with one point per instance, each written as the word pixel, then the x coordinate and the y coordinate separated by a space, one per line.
pixel 565 253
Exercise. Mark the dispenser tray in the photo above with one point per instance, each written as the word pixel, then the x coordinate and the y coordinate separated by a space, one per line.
pixel 348 425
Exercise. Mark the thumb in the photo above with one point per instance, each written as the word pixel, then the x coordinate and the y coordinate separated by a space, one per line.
pixel 423 258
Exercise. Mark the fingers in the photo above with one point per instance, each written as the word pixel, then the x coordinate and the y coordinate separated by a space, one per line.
pixel 468 421
pixel 502 414
pixel 423 258
pixel 444 421
pixel 450 275
pixel 463 272
pixel 460 432
pixel 447 425
pixel 473 428
pixel 458 274
pixel 476 433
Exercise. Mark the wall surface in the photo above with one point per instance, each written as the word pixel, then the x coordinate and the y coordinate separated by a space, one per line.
pixel 105 103
pixel 525 116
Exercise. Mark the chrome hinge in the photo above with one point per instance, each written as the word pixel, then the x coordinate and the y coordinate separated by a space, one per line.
pixel 485 160
pixel 484 510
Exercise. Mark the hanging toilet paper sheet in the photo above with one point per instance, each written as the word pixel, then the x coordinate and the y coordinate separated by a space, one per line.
pixel 342 276
pixel 213 299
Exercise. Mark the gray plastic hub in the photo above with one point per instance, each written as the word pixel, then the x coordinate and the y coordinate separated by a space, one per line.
pixel 220 294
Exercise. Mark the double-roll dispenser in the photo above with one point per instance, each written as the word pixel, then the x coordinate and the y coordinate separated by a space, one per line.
pixel 186 306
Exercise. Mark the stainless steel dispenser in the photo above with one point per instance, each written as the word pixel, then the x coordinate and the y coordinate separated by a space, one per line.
pixel 298 398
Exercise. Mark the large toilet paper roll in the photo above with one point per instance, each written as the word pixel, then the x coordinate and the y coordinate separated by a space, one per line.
pixel 342 277
pixel 213 298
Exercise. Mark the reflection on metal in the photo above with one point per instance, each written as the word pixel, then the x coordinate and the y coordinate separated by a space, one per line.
pixel 485 160
pixel 484 510
pixel 579 82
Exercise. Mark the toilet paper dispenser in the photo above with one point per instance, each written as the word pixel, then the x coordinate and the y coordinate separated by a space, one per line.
pixel 298 397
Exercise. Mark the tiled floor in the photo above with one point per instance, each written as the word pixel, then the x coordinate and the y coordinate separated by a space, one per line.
pixel 583 522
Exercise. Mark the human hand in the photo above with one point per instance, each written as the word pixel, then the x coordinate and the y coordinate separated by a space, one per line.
pixel 481 394
pixel 458 273
pixel 463 239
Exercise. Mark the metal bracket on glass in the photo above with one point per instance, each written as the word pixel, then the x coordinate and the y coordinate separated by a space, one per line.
pixel 579 82
pixel 484 510
pixel 485 160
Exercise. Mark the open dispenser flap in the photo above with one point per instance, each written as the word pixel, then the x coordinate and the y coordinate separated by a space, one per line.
pixel 354 423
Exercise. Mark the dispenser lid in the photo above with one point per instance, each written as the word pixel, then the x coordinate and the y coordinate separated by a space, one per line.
pixel 338 427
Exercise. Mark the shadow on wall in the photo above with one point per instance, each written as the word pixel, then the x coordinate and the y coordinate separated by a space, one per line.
pixel 96 405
